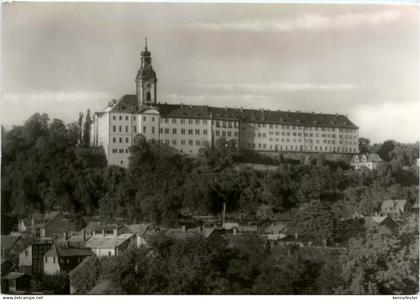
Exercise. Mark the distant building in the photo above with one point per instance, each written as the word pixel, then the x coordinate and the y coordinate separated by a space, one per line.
pixel 64 258
pixel 188 128
pixel 393 208
pixel 8 243
pixel 47 225
pixel 370 161
pixel 141 232
pixel 383 221
pixel 31 258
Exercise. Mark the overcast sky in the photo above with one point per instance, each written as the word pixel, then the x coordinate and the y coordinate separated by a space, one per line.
pixel 358 60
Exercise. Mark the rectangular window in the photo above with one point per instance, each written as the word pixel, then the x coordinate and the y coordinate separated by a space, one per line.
pixel 197 121
pixel 114 140
pixel 134 118
pixel 144 129
pixel 126 128
pixel 197 143
pixel 190 131
pixel 205 122
pixel 166 130
pixel 113 118
pixel 182 131
pixel 217 132
pixel 120 118
pixel 153 129
pixel 182 142
pixel 173 142
pixel 205 131
pixel 190 121
pixel 173 130
pixel 161 130
pixel 126 118
pixel 134 129
pixel 114 128
pixel 120 128
pixel 53 260
pixel 173 121
pixel 120 140
pixel 126 140
pixel 197 131
pixel 182 121
pixel 190 142
pixel 144 118
pixel 153 119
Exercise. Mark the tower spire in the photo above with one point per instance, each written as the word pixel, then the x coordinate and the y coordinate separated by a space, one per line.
pixel 145 42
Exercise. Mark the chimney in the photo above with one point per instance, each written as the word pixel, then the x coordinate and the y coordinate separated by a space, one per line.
pixel 115 250
pixel 324 243
pixel 65 236
pixel 115 232
pixel 183 228
pixel 84 234
pixel 235 230
pixel 296 235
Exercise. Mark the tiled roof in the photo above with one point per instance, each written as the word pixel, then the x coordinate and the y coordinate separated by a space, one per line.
pixel 63 251
pixel 129 104
pixel 107 242
pixel 8 241
pixel 13 275
pixel 138 229
pixel 393 204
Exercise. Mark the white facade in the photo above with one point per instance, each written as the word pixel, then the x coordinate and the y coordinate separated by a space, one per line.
pixel 25 257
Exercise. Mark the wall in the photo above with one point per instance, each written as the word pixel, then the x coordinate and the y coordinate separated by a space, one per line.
pixel 51 265
pixel 25 257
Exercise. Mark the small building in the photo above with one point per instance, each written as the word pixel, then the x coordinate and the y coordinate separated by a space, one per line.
pixel 141 233
pixel 64 258
pixel 15 282
pixel 383 221
pixel 393 208
pixel 110 245
pixel 370 161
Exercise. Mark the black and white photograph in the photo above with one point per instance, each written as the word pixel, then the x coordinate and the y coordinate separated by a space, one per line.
pixel 208 148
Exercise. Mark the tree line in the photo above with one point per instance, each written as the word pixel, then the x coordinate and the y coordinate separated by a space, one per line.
pixel 48 164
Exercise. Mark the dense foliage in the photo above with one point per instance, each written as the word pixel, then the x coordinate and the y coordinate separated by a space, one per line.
pixel 49 164
pixel 378 262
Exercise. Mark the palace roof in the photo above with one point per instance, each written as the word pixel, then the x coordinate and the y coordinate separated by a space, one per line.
pixel 129 104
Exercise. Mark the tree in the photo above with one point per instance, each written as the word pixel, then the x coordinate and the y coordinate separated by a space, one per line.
pixel 86 129
pixel 381 263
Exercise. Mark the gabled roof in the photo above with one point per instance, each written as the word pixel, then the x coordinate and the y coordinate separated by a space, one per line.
pixel 138 229
pixel 13 275
pixel 107 242
pixel 70 251
pixel 8 241
pixel 129 104
pixel 372 157
pixel 397 205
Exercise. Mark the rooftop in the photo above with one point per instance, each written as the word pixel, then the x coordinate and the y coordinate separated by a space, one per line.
pixel 129 104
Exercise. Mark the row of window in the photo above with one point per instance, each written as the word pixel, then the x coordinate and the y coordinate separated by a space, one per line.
pixel 184 131
pixel 226 133
pixel 183 142
pixel 183 121
pixel 120 151
pixel 120 128
pixel 299 148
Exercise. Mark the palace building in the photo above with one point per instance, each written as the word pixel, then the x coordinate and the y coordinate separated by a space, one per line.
pixel 188 128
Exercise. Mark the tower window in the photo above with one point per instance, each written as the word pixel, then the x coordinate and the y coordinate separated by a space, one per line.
pixel 126 118
pixel 173 130
pixel 197 131
pixel 153 129
pixel 135 128
pixel 148 96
